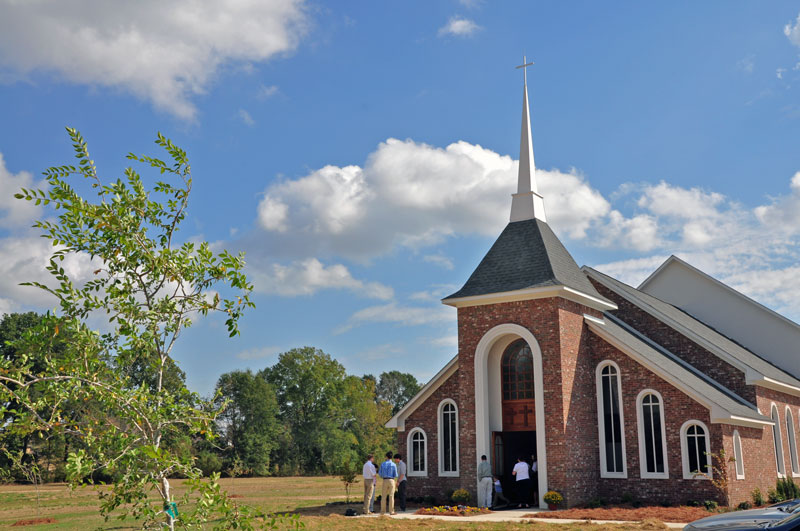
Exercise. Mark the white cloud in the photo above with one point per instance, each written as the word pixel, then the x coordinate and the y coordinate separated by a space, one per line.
pixel 446 341
pixel 459 27
pixel 25 259
pixel 779 73
pixel 440 260
pixel 162 52
pixel 15 212
pixel 245 117
pixel 396 314
pixel 793 32
pixel 307 277
pixel 747 63
pixel 412 195
pixel 258 353
pixel 267 91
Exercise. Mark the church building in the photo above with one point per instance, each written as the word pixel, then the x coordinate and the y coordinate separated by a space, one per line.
pixel 615 390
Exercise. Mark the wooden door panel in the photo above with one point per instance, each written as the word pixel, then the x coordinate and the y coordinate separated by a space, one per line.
pixel 519 415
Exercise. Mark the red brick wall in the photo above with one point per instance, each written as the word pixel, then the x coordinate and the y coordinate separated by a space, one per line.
pixel 425 417
pixel 760 469
pixel 678 408
pixel 681 346
pixel 557 325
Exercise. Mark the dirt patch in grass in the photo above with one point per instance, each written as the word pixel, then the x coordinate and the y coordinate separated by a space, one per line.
pixel 34 521
pixel 680 514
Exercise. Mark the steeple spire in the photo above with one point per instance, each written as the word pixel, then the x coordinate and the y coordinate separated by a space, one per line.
pixel 526 203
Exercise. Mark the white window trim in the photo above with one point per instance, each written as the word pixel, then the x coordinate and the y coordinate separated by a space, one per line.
pixel 791 435
pixel 643 473
pixel 599 384
pixel 778 444
pixel 739 456
pixel 410 451
pixel 688 474
pixel 440 444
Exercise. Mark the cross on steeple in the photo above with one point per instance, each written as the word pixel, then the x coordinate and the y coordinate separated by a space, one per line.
pixel 525 66
pixel 526 203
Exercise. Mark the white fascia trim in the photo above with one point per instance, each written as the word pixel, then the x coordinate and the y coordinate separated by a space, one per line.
pixel 718 413
pixel 398 421
pixel 750 373
pixel 742 296
pixel 655 273
pixel 770 383
pixel 530 294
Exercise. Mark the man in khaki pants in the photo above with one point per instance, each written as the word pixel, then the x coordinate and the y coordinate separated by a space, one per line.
pixel 368 474
pixel 388 472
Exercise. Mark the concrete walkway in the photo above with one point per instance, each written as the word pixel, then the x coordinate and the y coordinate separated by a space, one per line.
pixel 512 515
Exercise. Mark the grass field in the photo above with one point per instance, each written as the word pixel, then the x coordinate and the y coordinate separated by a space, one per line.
pixel 307 496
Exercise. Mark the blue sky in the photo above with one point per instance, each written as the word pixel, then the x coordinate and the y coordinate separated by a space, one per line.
pixel 363 153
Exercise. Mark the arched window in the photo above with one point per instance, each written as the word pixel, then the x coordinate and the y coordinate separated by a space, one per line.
pixel 737 454
pixel 792 442
pixel 517 366
pixel 694 450
pixel 776 439
pixel 417 453
pixel 448 438
pixel 611 426
pixel 652 435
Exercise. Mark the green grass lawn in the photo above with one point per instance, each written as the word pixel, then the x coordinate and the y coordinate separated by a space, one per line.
pixel 307 496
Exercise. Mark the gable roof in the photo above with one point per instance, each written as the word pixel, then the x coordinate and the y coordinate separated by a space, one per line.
pixel 724 405
pixel 527 255
pixel 758 371
pixel 399 419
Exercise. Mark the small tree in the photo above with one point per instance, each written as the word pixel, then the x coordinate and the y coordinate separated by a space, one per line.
pixel 28 469
pixel 348 473
pixel 149 287
pixel 719 473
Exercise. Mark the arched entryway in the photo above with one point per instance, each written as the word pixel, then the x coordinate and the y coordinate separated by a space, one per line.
pixel 496 409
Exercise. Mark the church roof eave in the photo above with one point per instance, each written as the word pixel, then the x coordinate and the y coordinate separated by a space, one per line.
pixel 758 371
pixel 724 405
pixel 598 303
pixel 398 420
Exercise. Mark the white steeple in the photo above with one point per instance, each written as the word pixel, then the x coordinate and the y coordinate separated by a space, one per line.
pixel 526 203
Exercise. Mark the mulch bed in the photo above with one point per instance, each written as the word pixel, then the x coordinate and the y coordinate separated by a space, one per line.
pixel 446 510
pixel 34 521
pixel 632 514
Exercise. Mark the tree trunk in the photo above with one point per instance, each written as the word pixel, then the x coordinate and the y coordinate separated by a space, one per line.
pixel 167 504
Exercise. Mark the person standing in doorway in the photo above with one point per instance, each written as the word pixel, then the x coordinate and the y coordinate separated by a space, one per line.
pixel 401 482
pixel 522 473
pixel 368 473
pixel 535 478
pixel 388 473
pixel 484 483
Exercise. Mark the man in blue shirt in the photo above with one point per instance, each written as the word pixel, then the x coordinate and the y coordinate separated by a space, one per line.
pixel 388 472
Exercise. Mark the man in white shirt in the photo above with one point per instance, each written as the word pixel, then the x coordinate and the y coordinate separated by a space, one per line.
pixel 369 473
pixel 522 473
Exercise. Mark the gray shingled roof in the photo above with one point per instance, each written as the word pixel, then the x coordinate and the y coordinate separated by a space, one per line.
pixel 681 372
pixel 660 309
pixel 527 254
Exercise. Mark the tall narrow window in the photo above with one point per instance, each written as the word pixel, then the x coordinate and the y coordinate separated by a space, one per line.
pixel 792 441
pixel 418 453
pixel 448 438
pixel 610 423
pixel 694 450
pixel 652 441
pixel 737 454
pixel 776 439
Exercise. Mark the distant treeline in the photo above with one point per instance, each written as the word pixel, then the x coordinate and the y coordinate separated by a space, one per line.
pixel 304 415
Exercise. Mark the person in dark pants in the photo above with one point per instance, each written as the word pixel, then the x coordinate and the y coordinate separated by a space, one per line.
pixel 401 482
pixel 523 487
